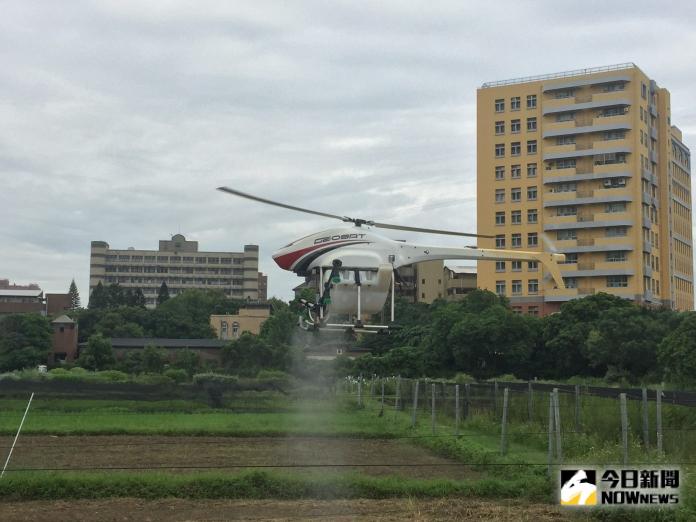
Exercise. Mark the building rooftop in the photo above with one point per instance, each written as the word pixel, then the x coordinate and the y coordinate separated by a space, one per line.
pixel 63 319
pixel 462 269
pixel 139 342
pixel 20 293
pixel 563 74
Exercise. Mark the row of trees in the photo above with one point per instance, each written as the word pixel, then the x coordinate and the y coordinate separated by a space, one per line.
pixel 113 296
pixel 598 336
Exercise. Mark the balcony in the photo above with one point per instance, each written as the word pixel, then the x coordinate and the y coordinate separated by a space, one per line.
pixel 594 102
pixel 586 266
pixel 555 225
pixel 586 126
pixel 653 133
pixel 653 110
pixel 586 242
pixel 570 151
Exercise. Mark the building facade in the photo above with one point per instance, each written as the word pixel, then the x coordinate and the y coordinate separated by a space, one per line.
pixel 247 319
pixel 589 163
pixel 180 264
pixel 459 281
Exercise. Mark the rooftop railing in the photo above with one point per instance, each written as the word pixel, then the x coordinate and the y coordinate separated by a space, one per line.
pixel 564 74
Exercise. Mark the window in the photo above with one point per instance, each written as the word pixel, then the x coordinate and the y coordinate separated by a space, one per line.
pixel 500 127
pixel 563 235
pixel 617 281
pixel 616 231
pixel 531 124
pixel 531 101
pixel 612 111
pixel 516 217
pixel 500 241
pixel 235 329
pixel 611 208
pixel 516 194
pixel 516 171
pixel 565 116
pixel 615 135
pixel 531 170
pixel 567 211
pixel 499 150
pixel 532 216
pixel 612 87
pixel 515 103
pixel 533 310
pixel 610 158
pixel 500 287
pixel 643 91
pixel 531 193
pixel 500 195
pixel 571 259
pixel 223 330
pixel 532 239
pixel 499 173
pixel 500 266
pixel 516 240
pixel 533 286
pixel 500 218
pixel 616 256
pixel 515 148
pixel 571 186
pixel 614 183
pixel 517 266
pixel 515 126
pixel 517 310
pixel 565 164
pixel 516 286
pixel 570 282
pixel 565 140
pixel 499 105
pixel 531 147
pixel 564 93
pixel 533 266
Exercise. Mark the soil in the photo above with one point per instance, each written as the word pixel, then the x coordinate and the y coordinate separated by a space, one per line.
pixel 128 509
pixel 191 454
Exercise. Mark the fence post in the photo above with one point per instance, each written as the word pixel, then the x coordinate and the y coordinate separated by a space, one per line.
pixel 432 407
pixel 398 393
pixel 646 425
pixel 457 417
pixel 360 392
pixel 415 405
pixel 624 427
pixel 557 424
pixel 658 420
pixel 577 408
pixel 467 398
pixel 381 411
pixel 503 429
pixel 495 400
pixel 551 427
pixel 530 401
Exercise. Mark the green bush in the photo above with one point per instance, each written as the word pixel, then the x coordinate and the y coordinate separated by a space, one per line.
pixel 153 378
pixel 10 376
pixel 464 378
pixel 77 370
pixel 177 375
pixel 58 371
pixel 112 376
pixel 214 378
pixel 275 376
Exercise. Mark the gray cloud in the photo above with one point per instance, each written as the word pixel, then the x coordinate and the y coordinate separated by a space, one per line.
pixel 120 118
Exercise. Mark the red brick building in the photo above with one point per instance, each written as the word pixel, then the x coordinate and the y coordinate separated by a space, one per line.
pixel 64 340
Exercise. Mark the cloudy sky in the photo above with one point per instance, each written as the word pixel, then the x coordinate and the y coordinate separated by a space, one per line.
pixel 119 118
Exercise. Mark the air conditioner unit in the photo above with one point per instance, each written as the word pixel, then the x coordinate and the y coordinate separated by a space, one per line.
pixel 607 183
pixel 622 182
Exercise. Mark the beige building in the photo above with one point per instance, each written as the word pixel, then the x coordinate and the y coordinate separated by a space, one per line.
pixel 591 159
pixel 180 264
pixel 248 319
pixel 459 281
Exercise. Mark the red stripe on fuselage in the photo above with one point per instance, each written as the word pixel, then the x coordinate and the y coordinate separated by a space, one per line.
pixel 286 261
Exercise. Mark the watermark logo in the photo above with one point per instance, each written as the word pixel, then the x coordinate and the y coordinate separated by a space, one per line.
pixel 621 487
pixel 578 487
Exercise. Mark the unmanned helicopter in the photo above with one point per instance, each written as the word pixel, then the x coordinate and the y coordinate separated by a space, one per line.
pixel 356 267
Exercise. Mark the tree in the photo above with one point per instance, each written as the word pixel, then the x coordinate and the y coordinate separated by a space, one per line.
pixel 187 360
pixel 163 294
pixel 98 299
pixel 115 295
pixel 677 351
pixel 154 359
pixel 98 355
pixel 139 298
pixel 74 296
pixel 25 341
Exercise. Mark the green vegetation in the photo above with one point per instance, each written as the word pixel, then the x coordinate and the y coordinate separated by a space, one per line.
pixel 25 340
pixel 601 336
pixel 256 484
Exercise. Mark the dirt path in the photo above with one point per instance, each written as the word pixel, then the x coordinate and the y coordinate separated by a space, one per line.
pixel 336 510
pixel 189 453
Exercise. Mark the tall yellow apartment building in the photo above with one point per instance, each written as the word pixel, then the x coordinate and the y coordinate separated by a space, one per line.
pixel 590 159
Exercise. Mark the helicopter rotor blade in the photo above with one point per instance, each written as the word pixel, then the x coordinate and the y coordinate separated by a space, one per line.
pixel 282 205
pixel 548 243
pixel 426 230
pixel 346 219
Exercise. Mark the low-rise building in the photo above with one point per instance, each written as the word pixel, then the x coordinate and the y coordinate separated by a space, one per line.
pixel 248 319
pixel 459 281
pixel 206 349
pixel 63 340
